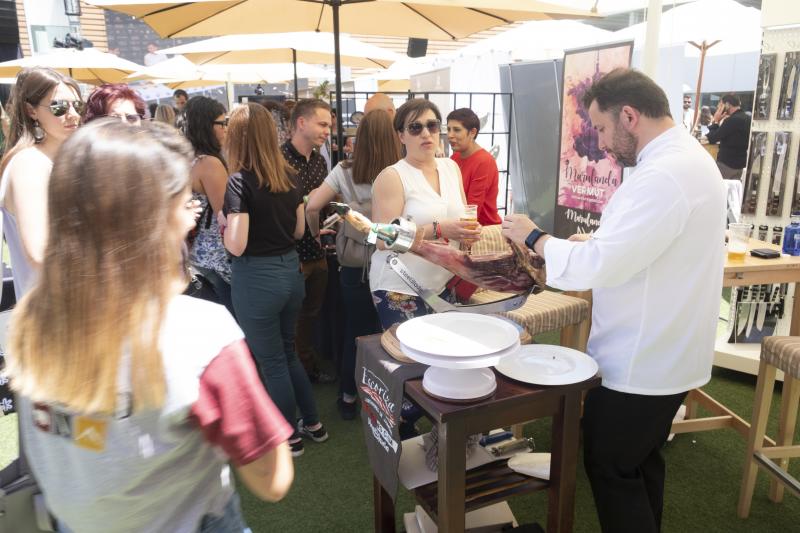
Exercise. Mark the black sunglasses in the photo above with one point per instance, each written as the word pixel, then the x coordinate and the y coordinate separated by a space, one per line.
pixel 433 127
pixel 223 123
pixel 59 108
pixel 126 117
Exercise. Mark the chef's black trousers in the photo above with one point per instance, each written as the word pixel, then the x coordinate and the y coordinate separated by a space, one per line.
pixel 622 438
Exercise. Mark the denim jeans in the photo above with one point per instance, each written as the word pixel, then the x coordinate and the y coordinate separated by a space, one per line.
pixel 267 295
pixel 360 318
pixel 221 287
pixel 230 522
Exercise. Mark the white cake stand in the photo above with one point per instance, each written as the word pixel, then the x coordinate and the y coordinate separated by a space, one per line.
pixel 459 378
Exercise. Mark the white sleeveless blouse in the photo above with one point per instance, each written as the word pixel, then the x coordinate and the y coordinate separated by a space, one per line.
pixel 423 205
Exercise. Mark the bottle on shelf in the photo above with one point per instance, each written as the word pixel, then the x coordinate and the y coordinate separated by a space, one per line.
pixel 763 229
pixel 777 233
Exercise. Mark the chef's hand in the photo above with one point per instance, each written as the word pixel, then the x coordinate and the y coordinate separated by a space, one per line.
pixel 720 113
pixel 580 237
pixel 517 228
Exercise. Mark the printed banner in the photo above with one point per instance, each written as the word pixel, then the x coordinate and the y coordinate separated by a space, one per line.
pixel 587 177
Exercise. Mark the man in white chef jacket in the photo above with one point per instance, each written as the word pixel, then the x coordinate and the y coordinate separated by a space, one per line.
pixel 655 267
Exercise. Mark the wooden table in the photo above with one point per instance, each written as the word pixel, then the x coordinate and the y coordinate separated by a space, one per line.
pixel 742 357
pixel 458 491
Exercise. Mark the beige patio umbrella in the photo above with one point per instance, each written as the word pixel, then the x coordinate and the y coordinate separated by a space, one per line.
pixel 297 48
pixel 87 66
pixel 426 19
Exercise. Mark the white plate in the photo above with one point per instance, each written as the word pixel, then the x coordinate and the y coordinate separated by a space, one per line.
pixel 457 334
pixel 459 384
pixel 545 364
pixel 479 361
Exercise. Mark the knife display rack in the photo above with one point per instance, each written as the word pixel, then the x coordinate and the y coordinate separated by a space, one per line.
pixel 755 311
pixel 756 163
pixel 788 94
pixel 766 74
pixel 780 165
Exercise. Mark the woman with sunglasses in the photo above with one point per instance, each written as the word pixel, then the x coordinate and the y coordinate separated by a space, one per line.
pixel 205 127
pixel 115 100
pixel 265 218
pixel 158 390
pixel 45 108
pixel 430 191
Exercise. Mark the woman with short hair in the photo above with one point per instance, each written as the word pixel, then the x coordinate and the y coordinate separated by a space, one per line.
pixel 115 100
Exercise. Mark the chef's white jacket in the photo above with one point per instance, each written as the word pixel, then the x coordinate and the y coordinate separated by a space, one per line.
pixel 655 266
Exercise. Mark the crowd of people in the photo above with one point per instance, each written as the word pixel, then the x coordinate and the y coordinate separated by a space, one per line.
pixel 109 209
pixel 128 388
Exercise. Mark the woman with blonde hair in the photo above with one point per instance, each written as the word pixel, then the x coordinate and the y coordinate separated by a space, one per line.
pixel 128 391
pixel 45 108
pixel 165 114
pixel 265 217
pixel 376 148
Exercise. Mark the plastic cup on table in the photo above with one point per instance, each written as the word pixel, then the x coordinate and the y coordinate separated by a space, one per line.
pixel 738 239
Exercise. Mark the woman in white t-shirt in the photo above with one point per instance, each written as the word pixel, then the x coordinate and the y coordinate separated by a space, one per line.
pixel 377 147
pixel 133 398
pixel 429 190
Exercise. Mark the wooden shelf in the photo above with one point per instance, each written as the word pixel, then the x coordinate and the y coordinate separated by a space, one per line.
pixel 485 485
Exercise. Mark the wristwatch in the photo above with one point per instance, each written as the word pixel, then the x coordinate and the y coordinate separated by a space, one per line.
pixel 534 236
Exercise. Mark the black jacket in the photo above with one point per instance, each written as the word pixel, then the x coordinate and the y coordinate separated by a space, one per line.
pixel 733 137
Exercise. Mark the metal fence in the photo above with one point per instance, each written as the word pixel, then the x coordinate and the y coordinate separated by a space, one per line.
pixel 495 134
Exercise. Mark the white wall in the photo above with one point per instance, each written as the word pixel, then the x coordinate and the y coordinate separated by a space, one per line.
pixel 45 13
pixel 779 12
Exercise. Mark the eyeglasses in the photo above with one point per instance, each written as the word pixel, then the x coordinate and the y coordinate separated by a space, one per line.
pixel 433 127
pixel 223 123
pixel 125 117
pixel 59 108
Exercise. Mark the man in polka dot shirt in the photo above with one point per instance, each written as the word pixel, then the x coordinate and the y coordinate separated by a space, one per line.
pixel 311 126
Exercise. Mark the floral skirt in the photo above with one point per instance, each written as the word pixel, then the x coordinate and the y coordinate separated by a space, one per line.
pixel 396 307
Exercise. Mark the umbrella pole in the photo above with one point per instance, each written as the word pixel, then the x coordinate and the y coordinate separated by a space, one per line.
pixel 294 62
pixel 338 66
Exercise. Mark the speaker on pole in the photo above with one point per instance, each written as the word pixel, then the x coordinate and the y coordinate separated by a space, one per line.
pixel 417 47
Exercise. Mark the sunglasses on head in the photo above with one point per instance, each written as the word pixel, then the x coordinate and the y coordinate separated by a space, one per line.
pixel 59 108
pixel 223 123
pixel 416 127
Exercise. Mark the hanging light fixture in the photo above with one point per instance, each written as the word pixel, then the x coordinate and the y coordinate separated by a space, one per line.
pixel 72 8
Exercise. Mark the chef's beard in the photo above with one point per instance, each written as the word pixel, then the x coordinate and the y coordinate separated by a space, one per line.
pixel 624 147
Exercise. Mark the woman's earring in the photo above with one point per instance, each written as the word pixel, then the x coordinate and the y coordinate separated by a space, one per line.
pixel 38 132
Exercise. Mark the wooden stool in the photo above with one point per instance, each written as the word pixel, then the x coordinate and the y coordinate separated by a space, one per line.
pixel 776 353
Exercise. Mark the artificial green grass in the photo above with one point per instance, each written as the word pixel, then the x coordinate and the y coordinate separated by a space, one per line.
pixel 332 490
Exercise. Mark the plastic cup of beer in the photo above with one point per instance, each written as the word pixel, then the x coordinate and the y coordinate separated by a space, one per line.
pixel 470 215
pixel 738 238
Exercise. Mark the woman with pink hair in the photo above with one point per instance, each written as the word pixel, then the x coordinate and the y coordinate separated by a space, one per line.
pixel 115 100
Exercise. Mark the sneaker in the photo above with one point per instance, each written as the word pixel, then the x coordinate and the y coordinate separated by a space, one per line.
pixel 321 378
pixel 347 410
pixel 296 446
pixel 318 435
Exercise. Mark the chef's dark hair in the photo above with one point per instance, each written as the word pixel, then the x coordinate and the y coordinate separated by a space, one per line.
pixel 624 86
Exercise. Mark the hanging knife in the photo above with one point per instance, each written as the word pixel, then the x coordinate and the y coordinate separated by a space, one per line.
pixel 781 144
pixel 740 322
pixel 750 319
pixel 763 298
